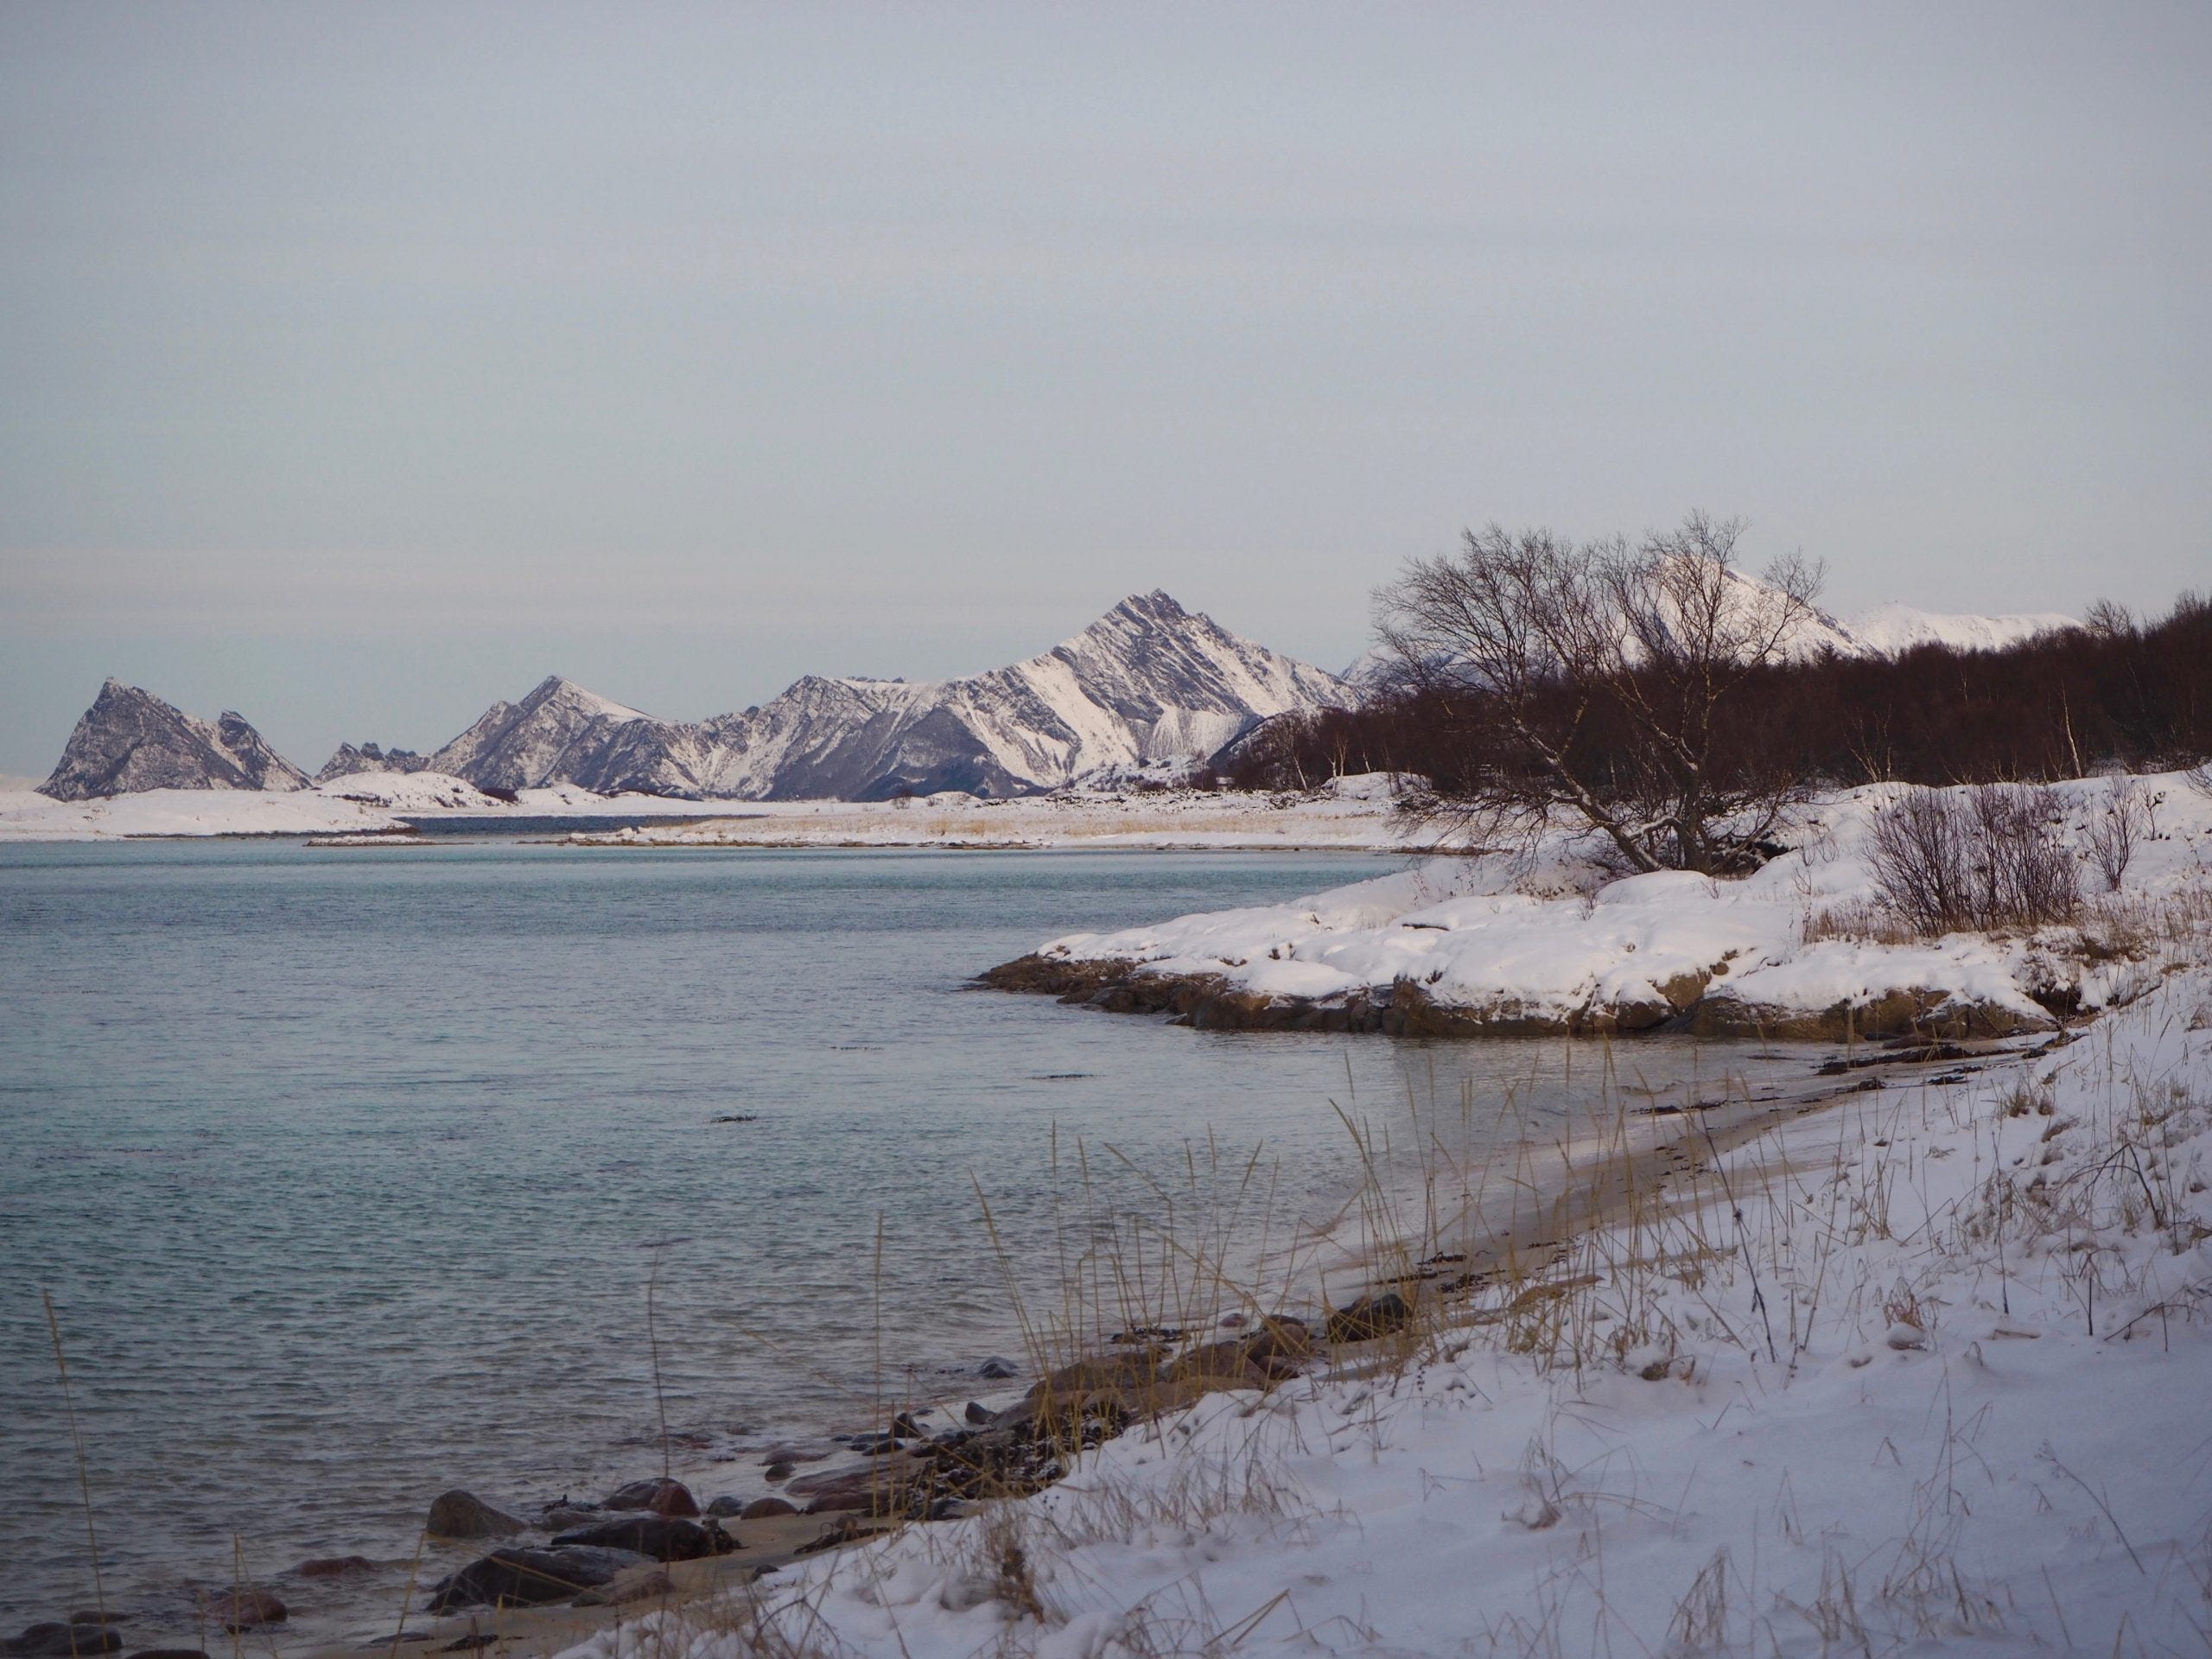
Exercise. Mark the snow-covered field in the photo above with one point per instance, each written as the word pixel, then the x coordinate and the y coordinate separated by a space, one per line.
pixel 1352 812
pixel 1549 941
pixel 369 803
pixel 1925 1371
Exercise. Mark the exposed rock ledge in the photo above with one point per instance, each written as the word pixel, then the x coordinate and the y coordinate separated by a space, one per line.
pixel 1691 1002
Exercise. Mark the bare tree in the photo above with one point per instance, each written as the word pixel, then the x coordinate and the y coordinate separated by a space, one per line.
pixel 1600 678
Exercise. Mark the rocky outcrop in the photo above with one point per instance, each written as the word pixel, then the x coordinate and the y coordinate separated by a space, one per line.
pixel 1689 1003
pixel 130 739
pixel 1932 1015
pixel 349 761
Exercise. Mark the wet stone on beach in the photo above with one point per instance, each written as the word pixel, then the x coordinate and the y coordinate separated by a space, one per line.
pixel 1369 1318
pixel 530 1578
pixel 461 1515
pixel 55 1640
pixel 664 1538
pixel 662 1497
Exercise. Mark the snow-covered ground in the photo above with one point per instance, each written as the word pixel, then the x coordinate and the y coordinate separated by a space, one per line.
pixel 363 804
pixel 1354 812
pixel 1923 1371
pixel 1547 940
pixel 1351 812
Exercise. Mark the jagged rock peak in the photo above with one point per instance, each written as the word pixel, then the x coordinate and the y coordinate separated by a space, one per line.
pixel 130 739
pixel 542 739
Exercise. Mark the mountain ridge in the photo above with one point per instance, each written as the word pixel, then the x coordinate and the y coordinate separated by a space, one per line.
pixel 1146 684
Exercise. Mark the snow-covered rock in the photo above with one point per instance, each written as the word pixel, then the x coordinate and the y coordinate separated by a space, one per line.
pixel 368 757
pixel 130 740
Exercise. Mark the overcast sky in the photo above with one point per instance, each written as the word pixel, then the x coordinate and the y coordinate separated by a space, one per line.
pixel 360 364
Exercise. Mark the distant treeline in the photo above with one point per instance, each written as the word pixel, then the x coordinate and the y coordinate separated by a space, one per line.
pixel 2117 692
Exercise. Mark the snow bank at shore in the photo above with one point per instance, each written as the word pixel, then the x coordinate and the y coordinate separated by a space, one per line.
pixel 1547 942
pixel 1351 812
pixel 1927 1369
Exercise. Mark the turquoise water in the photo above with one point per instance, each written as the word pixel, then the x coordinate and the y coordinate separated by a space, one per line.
pixel 348 1171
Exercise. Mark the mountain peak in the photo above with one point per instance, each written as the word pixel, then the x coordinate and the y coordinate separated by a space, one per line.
pixel 558 688
pixel 1159 606
pixel 130 739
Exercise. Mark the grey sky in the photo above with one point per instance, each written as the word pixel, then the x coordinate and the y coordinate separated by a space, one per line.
pixel 360 364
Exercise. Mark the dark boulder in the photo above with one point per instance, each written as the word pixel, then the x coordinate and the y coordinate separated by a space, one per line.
pixel 661 1537
pixel 529 1577
pixel 884 1486
pixel 1369 1317
pixel 54 1640
pixel 767 1508
pixel 997 1369
pixel 461 1515
pixel 662 1497
pixel 728 1504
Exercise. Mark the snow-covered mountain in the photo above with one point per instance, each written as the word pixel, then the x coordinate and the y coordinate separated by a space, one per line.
pixel 1148 683
pixel 130 739
pixel 1891 629
pixel 538 740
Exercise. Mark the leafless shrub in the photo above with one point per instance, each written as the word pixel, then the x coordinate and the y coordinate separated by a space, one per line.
pixel 2026 876
pixel 1921 855
pixel 1985 859
pixel 2114 828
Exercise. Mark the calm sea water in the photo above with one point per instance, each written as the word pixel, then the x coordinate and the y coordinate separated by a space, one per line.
pixel 347 1172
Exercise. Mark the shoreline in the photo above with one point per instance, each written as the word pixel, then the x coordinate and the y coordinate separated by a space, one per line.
pixel 1515 1262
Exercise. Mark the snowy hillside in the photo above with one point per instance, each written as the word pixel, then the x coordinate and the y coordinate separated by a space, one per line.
pixel 1891 629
